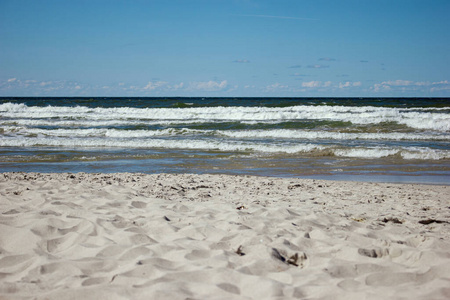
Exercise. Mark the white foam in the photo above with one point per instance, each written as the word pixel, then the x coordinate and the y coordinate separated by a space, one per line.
pixel 419 118
pixel 309 134
pixel 230 145
pixel 365 152
pixel 100 132
pixel 159 143
pixel 241 134
pixel 92 123
pixel 424 153
pixel 20 128
pixel 406 153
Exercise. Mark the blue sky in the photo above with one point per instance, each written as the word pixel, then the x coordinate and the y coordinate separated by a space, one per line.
pixel 295 48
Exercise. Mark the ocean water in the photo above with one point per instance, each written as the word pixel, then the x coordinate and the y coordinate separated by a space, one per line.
pixel 385 139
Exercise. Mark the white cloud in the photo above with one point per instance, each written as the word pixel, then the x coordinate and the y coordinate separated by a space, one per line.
pixel 154 85
pixel 392 84
pixel 344 85
pixel 316 84
pixel 31 87
pixel 440 86
pixel 329 85
pixel 45 83
pixel 446 82
pixel 210 86
pixel 311 84
pixel 276 87
pixel 348 84
pixel 398 82
pixel 318 66
pixel 177 86
pixel 409 86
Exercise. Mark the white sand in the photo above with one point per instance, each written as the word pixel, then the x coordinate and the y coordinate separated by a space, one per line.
pixel 134 236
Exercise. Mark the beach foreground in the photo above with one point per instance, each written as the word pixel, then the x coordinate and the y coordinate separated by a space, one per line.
pixel 136 236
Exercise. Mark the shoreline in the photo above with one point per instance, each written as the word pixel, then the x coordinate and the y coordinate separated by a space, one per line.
pixel 376 177
pixel 175 236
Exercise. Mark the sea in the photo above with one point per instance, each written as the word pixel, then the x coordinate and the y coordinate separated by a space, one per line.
pixel 358 139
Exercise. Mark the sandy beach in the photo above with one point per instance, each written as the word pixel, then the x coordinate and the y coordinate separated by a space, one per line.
pixel 136 236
